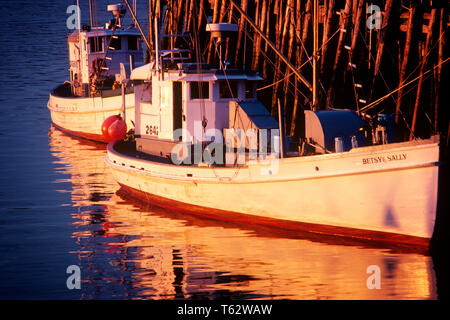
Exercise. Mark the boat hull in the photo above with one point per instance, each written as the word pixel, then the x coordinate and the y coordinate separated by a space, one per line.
pixel 390 200
pixel 83 117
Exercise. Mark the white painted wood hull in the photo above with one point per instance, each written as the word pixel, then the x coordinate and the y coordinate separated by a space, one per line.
pixel 83 117
pixel 396 195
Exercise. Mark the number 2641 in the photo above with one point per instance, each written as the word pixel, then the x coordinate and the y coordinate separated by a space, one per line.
pixel 151 130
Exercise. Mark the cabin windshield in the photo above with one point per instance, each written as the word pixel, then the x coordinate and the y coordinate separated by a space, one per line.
pixel 133 43
pixel 199 90
pixel 116 42
pixel 228 89
pixel 96 44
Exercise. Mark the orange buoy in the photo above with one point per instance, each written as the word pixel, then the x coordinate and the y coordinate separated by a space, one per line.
pixel 106 124
pixel 117 130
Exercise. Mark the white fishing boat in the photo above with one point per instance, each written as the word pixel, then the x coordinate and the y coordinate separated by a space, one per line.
pixel 93 93
pixel 205 144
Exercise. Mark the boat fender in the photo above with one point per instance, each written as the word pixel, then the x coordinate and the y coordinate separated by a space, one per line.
pixel 114 128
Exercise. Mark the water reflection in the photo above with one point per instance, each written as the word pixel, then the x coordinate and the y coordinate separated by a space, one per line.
pixel 127 249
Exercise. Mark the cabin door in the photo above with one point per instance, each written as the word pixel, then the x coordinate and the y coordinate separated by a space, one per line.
pixel 177 105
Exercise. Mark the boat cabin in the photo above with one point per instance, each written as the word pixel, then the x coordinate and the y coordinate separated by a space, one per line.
pixel 102 50
pixel 194 104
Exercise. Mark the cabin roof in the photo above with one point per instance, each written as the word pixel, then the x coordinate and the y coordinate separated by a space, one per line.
pixel 258 114
pixel 101 32
pixel 189 74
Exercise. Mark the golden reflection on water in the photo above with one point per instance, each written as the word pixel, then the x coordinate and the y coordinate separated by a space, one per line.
pixel 131 250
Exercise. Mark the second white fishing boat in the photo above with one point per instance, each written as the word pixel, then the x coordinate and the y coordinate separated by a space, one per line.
pixel 94 92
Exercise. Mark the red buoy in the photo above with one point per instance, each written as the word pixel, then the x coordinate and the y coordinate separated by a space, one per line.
pixel 117 130
pixel 106 124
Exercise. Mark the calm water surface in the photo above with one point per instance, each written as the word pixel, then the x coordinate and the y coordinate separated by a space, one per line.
pixel 60 206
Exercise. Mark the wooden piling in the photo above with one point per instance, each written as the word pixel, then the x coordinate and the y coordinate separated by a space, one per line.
pixel 404 63
pixel 211 47
pixel 380 43
pixel 355 30
pixel 422 68
pixel 442 38
pixel 266 45
pixel 278 44
pixel 298 49
pixel 255 54
pixel 326 34
pixel 306 27
pixel 290 50
pixel 257 42
pixel 241 32
pixel 344 24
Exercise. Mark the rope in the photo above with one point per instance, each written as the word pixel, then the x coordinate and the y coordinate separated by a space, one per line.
pixel 376 102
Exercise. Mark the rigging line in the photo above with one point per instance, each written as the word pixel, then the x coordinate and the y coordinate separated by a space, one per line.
pixel 287 75
pixel 311 57
pixel 416 68
pixel 303 46
pixel 353 80
pixel 199 68
pixel 272 45
pixel 406 123
pixel 378 101
pixel 106 51
pixel 404 85
pixel 224 71
pixel 236 114
pixel 381 74
pixel 247 35
pixel 238 168
pixel 426 56
pixel 420 106
pixel 221 63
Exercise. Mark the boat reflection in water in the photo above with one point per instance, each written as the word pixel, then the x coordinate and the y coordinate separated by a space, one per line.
pixel 130 250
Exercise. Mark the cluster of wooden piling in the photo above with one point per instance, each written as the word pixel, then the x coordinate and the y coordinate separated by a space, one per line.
pixel 393 65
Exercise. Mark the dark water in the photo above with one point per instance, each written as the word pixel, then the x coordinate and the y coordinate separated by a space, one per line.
pixel 59 206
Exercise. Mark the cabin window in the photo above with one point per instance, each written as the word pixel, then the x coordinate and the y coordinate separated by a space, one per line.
pixel 147 91
pixel 116 43
pixel 224 89
pixel 133 43
pixel 249 89
pixel 96 44
pixel 199 90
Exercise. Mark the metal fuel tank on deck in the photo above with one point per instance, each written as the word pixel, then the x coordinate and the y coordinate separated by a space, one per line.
pixel 333 130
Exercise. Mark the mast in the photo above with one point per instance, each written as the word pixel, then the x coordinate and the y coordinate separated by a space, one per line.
pixel 80 80
pixel 90 13
pixel 315 52
pixel 157 36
